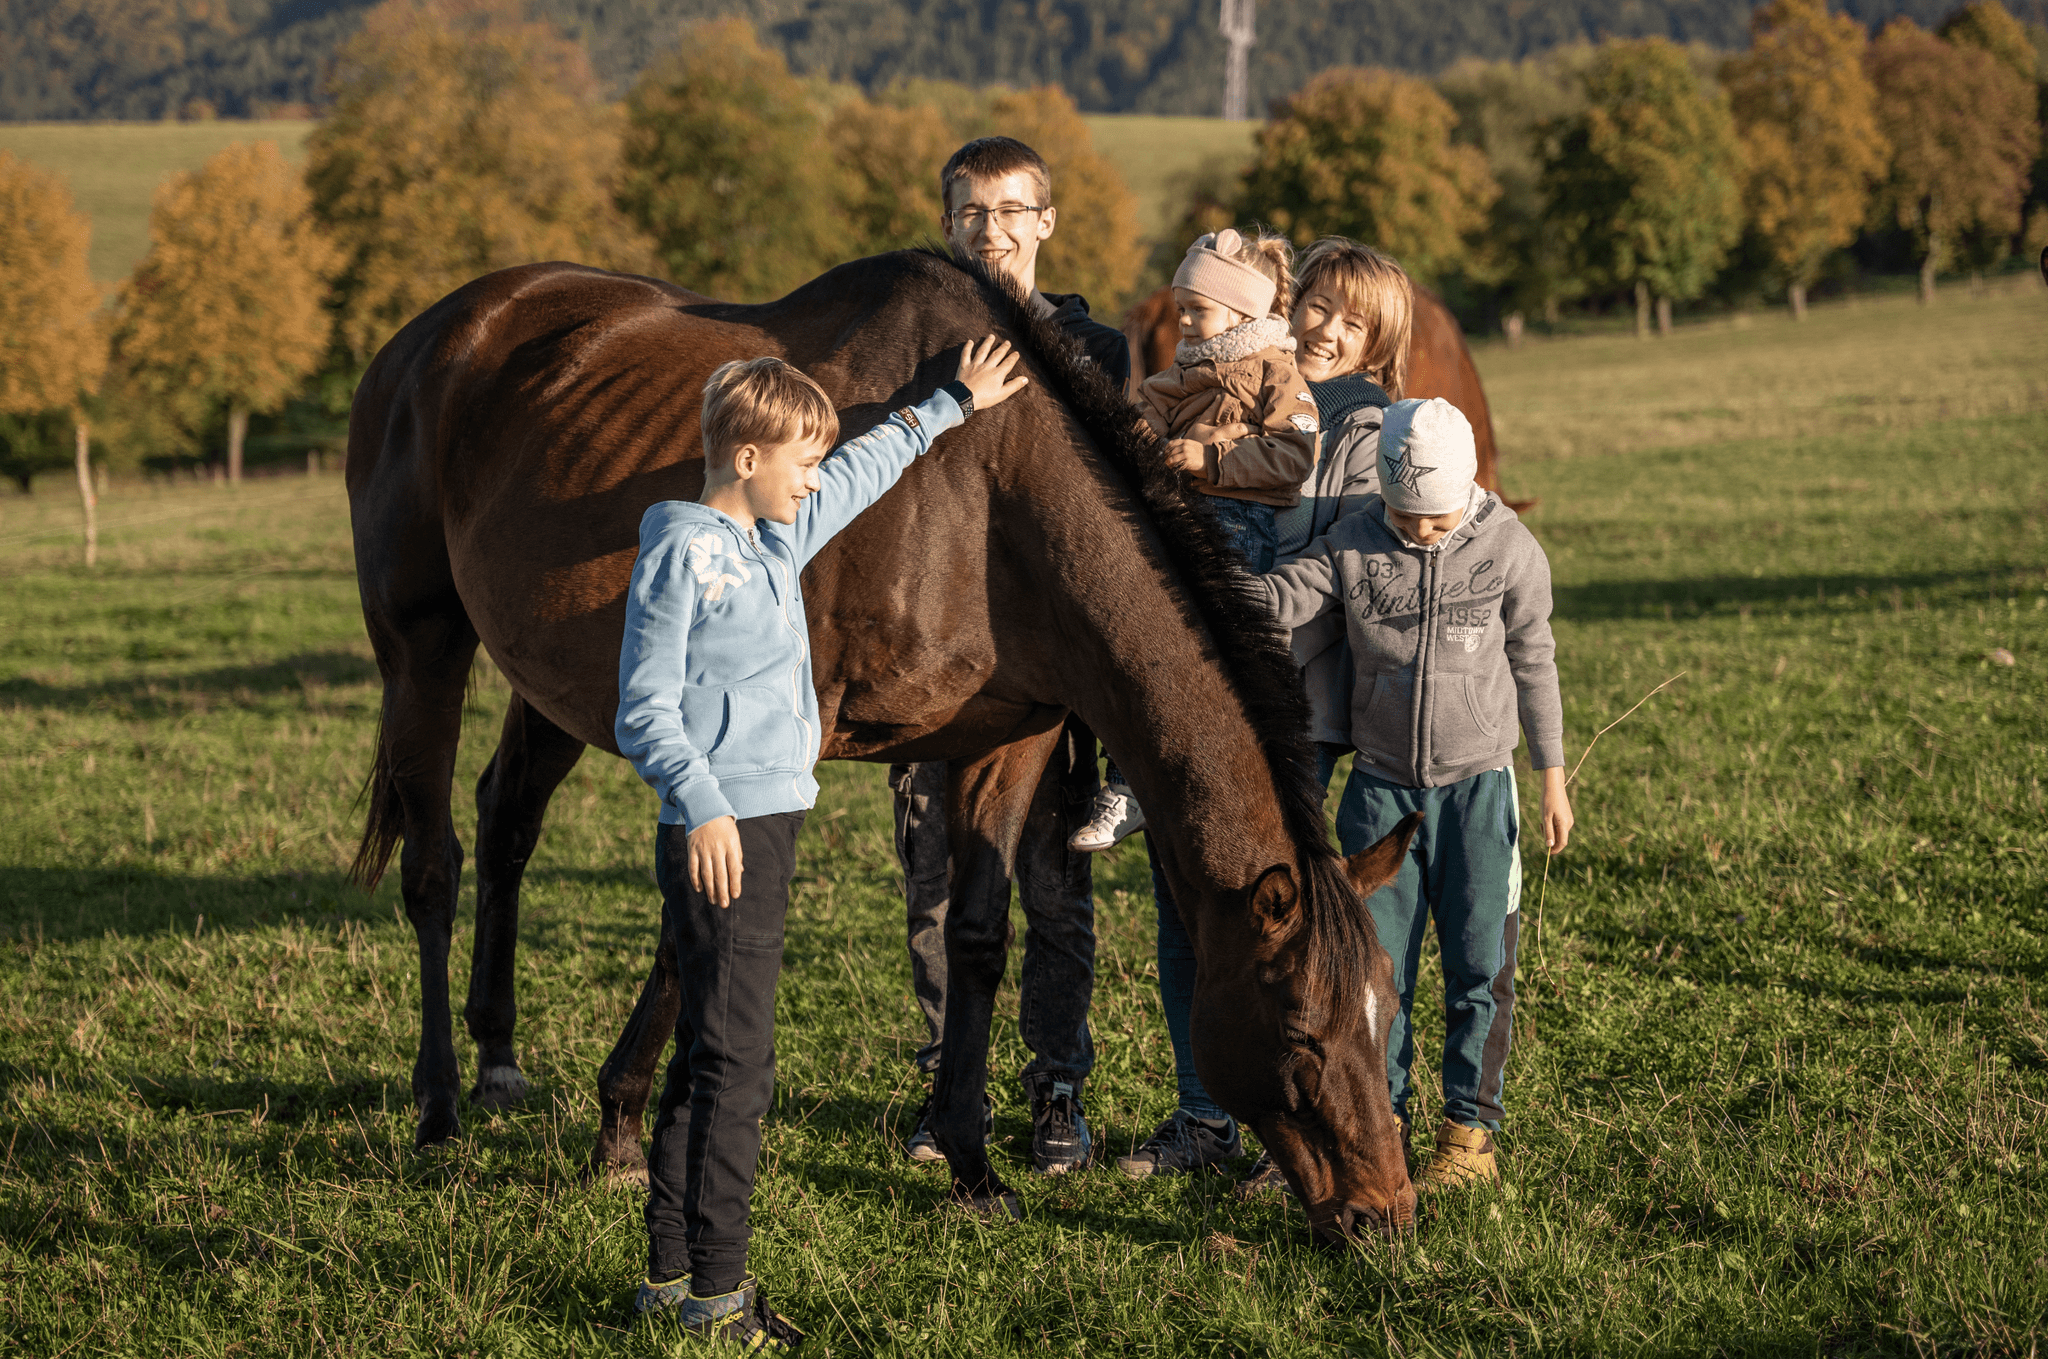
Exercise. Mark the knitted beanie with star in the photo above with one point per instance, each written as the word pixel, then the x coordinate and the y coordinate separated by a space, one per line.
pixel 1428 457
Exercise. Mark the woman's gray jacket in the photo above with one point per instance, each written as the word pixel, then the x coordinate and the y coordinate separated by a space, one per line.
pixel 1346 472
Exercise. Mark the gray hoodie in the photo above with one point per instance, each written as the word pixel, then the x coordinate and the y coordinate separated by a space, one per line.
pixel 1449 643
pixel 1347 473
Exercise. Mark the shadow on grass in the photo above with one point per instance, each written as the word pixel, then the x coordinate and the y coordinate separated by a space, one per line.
pixel 39 904
pixel 1798 594
pixel 147 696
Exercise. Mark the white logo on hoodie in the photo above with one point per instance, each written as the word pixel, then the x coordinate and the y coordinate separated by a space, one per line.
pixel 707 550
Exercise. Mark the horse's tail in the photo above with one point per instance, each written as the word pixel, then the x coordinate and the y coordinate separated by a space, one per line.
pixel 385 825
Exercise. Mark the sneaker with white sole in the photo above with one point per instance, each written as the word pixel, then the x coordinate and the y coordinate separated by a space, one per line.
pixel 1114 816
pixel 921 1146
pixel 1060 1140
pixel 1181 1144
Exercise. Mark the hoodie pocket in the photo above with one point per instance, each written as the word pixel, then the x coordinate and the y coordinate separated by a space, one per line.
pixel 1379 725
pixel 759 731
pixel 1458 730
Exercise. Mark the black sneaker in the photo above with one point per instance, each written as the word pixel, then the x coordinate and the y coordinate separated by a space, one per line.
pixel 921 1147
pixel 1060 1141
pixel 1264 1179
pixel 1181 1144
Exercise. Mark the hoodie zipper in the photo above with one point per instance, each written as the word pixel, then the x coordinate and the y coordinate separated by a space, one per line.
pixel 803 647
pixel 1424 654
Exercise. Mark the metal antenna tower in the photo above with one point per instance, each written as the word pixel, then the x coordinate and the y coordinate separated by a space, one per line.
pixel 1235 23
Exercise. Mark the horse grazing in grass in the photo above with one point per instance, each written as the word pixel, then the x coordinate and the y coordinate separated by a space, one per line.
pixel 1040 559
pixel 1439 363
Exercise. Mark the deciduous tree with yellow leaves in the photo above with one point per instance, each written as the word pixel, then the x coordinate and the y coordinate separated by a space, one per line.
pixel 1961 125
pixel 228 308
pixel 1807 116
pixel 463 139
pixel 52 349
pixel 1368 154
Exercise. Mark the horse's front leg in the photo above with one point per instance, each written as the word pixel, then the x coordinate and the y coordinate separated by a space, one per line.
pixel 989 798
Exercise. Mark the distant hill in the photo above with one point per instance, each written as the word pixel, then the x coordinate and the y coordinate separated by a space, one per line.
pixel 69 59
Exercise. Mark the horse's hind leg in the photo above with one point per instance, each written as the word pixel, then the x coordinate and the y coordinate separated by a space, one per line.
pixel 989 800
pixel 534 756
pixel 627 1077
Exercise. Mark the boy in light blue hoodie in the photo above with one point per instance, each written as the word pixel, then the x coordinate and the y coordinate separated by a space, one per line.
pixel 718 714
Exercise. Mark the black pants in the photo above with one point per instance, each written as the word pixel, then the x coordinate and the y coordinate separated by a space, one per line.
pixel 1055 887
pixel 707 1134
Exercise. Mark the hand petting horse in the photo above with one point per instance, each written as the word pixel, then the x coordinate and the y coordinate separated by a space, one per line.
pixel 1039 560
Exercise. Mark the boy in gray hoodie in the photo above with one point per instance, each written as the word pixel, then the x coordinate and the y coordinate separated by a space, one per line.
pixel 1445 597
pixel 718 714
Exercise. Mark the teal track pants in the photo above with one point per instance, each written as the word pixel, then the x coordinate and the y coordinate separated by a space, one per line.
pixel 1465 872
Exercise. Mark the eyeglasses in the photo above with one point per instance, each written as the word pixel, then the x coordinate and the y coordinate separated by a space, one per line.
pixel 1009 217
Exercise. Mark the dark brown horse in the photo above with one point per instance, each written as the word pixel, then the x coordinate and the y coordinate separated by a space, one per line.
pixel 1041 559
pixel 1439 364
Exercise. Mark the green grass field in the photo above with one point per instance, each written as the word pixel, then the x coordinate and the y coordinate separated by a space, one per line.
pixel 1159 156
pixel 1780 1082
pixel 114 170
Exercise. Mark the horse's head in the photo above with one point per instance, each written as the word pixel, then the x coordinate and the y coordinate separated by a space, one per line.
pixel 1295 1032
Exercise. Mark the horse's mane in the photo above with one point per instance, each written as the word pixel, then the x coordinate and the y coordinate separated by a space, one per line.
pixel 1254 649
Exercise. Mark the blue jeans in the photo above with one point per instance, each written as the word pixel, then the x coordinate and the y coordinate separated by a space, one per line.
pixel 1252 533
pixel 1251 529
pixel 1465 872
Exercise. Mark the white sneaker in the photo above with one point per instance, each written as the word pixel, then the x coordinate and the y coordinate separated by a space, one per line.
pixel 1116 815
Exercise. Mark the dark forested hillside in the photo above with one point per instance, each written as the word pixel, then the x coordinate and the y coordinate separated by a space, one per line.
pixel 166 58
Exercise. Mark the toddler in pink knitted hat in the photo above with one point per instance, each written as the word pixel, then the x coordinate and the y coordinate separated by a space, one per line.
pixel 1237 417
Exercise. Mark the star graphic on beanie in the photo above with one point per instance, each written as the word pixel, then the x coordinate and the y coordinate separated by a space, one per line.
pixel 1407 473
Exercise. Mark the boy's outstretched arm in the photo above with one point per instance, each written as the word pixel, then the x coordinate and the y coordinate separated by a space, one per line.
pixel 861 471
pixel 1303 590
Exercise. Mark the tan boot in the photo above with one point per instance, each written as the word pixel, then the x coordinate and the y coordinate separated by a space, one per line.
pixel 1463 1156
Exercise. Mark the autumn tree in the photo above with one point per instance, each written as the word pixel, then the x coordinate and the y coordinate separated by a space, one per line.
pixel 228 307
pixel 463 140
pixel 1989 26
pixel 1642 185
pixel 891 154
pixel 1368 154
pixel 52 349
pixel 1962 130
pixel 1502 108
pixel 724 167
pixel 1807 116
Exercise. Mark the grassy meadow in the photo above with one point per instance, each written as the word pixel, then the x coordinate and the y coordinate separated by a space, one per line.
pixel 1780 1080
pixel 114 170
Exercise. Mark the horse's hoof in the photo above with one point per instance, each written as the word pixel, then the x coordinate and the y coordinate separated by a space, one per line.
pixel 499 1087
pixel 1000 1204
pixel 438 1125
pixel 616 1165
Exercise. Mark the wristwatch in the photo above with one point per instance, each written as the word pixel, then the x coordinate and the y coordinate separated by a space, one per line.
pixel 958 390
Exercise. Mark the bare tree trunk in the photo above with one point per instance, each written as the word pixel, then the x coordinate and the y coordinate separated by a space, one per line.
pixel 85 494
pixel 1927 269
pixel 1796 292
pixel 1642 311
pixel 1664 317
pixel 238 430
pixel 1552 313
pixel 1512 325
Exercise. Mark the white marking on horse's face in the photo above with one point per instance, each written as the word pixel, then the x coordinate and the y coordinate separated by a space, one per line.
pixel 1372 1010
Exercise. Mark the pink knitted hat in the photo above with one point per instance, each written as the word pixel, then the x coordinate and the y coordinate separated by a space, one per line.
pixel 1213 269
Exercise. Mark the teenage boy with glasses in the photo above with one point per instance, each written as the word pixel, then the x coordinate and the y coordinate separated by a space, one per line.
pixel 997 194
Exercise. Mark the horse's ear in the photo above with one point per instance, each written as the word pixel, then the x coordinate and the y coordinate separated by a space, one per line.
pixel 1378 864
pixel 1276 907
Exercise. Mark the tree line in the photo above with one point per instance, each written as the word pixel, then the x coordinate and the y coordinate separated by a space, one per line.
pixel 261 58
pixel 465 137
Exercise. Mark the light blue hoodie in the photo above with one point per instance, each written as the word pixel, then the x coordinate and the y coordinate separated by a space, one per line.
pixel 716 706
